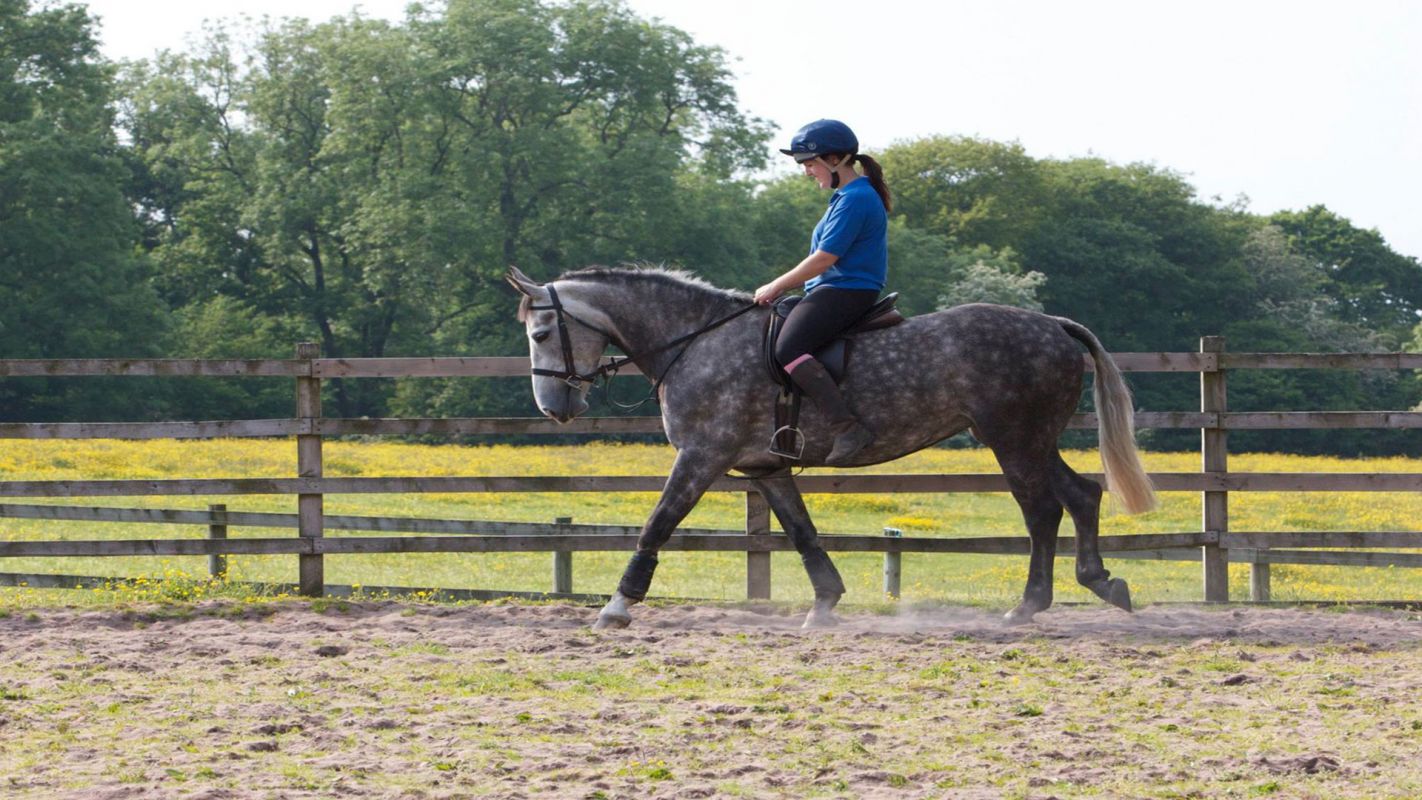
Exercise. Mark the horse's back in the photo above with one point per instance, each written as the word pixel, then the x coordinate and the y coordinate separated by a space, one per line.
pixel 980 339
pixel 980 361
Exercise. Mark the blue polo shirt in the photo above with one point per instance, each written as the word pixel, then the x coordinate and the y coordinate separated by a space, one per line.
pixel 855 228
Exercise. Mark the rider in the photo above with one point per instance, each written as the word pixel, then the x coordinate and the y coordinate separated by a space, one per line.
pixel 843 274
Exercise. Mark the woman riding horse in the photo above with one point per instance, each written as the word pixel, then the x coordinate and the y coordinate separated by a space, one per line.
pixel 843 274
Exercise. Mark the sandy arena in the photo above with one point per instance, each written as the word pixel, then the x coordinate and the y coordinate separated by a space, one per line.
pixel 393 700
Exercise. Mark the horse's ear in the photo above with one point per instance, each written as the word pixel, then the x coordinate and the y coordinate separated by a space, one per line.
pixel 521 282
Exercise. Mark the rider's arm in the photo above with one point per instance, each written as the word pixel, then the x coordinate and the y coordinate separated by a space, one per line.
pixel 814 264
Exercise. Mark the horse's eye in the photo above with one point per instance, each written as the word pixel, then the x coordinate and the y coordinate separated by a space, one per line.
pixel 540 337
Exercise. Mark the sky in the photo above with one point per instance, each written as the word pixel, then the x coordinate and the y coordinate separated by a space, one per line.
pixel 1287 104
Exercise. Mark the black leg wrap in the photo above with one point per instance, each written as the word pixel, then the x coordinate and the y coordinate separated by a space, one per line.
pixel 637 578
pixel 823 576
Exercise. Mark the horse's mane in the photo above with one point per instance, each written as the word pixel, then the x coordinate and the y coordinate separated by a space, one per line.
pixel 648 272
pixel 674 278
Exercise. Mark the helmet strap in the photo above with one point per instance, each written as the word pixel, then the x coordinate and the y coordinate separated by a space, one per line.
pixel 834 169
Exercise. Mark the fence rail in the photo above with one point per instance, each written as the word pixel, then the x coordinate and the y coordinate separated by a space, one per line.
pixel 1214 546
pixel 811 484
pixel 524 426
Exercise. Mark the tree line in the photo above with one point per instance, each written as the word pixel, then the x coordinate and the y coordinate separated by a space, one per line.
pixel 363 183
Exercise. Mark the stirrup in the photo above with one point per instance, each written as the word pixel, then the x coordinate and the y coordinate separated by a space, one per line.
pixel 797 439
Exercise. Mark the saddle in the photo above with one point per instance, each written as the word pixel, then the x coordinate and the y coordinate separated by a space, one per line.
pixel 787 441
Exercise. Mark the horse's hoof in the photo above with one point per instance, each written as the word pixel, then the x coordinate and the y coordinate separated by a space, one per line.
pixel 1022 615
pixel 1114 591
pixel 611 622
pixel 614 615
pixel 820 619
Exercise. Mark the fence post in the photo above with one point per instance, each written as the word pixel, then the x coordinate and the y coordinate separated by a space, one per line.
pixel 1259 581
pixel 311 568
pixel 217 529
pixel 757 561
pixel 563 562
pixel 893 566
pixel 1214 456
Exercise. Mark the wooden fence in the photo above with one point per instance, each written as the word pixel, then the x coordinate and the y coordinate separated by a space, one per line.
pixel 1214 545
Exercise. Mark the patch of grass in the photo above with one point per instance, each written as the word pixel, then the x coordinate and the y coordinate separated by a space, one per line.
pixel 429 648
pixel 1221 665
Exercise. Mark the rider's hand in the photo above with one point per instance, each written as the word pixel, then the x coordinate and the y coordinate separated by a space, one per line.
pixel 766 294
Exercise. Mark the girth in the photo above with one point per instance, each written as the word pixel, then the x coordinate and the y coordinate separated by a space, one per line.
pixel 787 441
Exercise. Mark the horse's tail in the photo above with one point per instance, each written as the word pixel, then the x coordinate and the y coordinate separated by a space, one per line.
pixel 1126 478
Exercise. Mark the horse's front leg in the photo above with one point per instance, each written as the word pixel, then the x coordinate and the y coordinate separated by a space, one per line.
pixel 784 498
pixel 691 475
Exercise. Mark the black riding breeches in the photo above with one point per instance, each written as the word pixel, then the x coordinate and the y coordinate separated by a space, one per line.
pixel 817 319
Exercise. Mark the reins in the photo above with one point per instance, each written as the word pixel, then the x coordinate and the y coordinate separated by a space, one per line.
pixel 576 379
pixel 607 371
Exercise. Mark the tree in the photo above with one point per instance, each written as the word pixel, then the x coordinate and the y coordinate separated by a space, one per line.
pixel 371 181
pixel 979 275
pixel 1128 252
pixel 1296 309
pixel 1294 292
pixel 70 284
pixel 1371 284
pixel 974 191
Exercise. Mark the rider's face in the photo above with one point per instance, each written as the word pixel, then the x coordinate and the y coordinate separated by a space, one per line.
pixel 817 168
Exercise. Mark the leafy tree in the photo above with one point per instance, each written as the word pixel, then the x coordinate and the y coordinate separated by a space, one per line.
pixel 974 191
pixel 1128 252
pixel 1293 292
pixel 1296 310
pixel 1370 284
pixel 785 210
pixel 70 284
pixel 979 275
pixel 370 181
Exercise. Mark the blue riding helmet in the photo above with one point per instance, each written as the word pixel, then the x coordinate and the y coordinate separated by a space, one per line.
pixel 820 137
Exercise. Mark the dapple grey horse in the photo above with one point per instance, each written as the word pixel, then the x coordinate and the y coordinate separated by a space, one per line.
pixel 1011 377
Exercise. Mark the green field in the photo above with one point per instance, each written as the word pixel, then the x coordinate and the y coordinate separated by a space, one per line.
pixel 960 579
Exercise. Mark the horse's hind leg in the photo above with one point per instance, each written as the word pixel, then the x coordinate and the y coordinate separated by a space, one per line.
pixel 1043 514
pixel 784 498
pixel 1082 498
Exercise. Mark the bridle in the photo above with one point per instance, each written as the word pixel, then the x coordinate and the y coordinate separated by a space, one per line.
pixel 570 375
pixel 576 380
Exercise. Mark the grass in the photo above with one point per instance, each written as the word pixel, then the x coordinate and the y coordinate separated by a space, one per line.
pixel 966 579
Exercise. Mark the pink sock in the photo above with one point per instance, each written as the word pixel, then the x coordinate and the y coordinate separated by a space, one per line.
pixel 797 362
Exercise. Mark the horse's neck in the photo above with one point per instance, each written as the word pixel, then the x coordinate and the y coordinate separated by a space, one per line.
pixel 647 317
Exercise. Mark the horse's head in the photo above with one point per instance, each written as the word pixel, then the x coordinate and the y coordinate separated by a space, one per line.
pixel 566 338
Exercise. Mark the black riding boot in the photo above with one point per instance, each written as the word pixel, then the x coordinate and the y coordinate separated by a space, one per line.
pixel 849 435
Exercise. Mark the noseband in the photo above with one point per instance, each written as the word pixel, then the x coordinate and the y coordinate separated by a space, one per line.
pixel 575 379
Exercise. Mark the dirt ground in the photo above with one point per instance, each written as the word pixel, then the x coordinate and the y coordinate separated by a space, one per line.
pixel 301 700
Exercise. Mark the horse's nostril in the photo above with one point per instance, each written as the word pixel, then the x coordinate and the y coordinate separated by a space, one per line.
pixel 556 416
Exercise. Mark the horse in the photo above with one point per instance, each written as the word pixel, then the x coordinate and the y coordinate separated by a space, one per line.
pixel 1010 376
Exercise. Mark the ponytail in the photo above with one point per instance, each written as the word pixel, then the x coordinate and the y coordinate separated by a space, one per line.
pixel 875 174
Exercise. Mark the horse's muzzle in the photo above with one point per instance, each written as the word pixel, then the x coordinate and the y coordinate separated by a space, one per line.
pixel 572 404
pixel 559 417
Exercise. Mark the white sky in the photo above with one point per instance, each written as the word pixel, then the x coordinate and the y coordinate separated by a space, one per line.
pixel 1289 103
